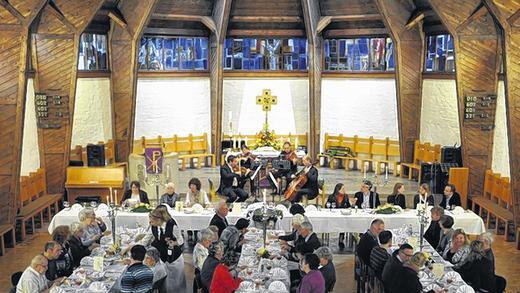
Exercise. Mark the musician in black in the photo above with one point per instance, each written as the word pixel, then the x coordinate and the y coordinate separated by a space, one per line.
pixel 230 181
pixel 310 188
pixel 286 154
pixel 247 160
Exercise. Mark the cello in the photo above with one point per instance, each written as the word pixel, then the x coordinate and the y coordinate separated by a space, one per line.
pixel 296 184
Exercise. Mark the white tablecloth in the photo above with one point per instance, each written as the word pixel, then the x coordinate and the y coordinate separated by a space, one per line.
pixel 324 221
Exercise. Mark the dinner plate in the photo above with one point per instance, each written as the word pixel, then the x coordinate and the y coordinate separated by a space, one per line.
pixel 453 276
pixel 277 287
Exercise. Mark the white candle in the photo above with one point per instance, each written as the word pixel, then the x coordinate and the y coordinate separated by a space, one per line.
pixel 234 142
pixel 110 191
pixel 386 172
pixel 108 200
pixel 296 143
pixel 365 170
pixel 264 192
pixel 115 197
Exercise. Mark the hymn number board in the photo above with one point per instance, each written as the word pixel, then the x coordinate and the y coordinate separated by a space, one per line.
pixel 51 110
pixel 479 110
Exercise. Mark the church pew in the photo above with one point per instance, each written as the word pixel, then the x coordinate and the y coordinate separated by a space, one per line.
pixel 495 203
pixel 35 202
pixel 94 182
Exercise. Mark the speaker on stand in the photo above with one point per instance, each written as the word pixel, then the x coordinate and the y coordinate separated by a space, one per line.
pixel 451 154
pixel 96 155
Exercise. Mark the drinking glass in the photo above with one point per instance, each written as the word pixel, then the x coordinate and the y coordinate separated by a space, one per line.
pixel 66 204
pixel 333 205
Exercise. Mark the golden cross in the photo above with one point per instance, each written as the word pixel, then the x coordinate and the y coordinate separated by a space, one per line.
pixel 266 100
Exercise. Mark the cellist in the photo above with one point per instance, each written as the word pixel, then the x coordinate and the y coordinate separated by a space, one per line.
pixel 310 188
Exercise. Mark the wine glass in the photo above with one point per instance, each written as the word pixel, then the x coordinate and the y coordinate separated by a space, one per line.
pixel 333 205
pixel 328 205
pixel 93 204
pixel 66 204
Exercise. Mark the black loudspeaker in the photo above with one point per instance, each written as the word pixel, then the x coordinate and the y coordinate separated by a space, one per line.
pixel 96 155
pixel 451 154
pixel 226 144
pixel 435 175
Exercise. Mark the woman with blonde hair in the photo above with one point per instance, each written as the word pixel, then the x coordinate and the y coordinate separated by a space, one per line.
pixel 95 228
pixel 458 249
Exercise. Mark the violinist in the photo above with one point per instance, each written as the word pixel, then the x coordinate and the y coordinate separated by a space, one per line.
pixel 246 161
pixel 230 176
pixel 287 154
pixel 310 188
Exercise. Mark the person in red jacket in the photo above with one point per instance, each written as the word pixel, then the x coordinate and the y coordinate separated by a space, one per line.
pixel 223 281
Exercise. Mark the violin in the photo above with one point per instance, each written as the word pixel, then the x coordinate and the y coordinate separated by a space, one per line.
pixel 291 156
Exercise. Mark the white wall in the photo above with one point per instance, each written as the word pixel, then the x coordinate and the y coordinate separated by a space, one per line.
pixel 290 115
pixel 363 107
pixel 92 112
pixel 30 149
pixel 439 112
pixel 172 106
pixel 500 143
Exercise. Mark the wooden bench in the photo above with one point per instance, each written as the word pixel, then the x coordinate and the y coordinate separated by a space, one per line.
pixel 94 182
pixel 79 153
pixel 496 202
pixel 35 202
pixel 422 153
pixel 7 237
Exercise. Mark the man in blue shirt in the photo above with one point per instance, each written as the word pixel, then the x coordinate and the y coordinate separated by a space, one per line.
pixel 138 278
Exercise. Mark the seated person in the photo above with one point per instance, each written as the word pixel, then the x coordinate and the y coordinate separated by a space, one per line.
pixel 94 229
pixel 307 242
pixel 219 219
pixel 394 265
pixel 33 279
pixel 230 181
pixel 397 197
pixel 296 223
pixel 423 197
pixel 487 240
pixel 433 234
pixel 195 194
pixel 287 154
pixel 233 235
pixel 215 255
pixel 310 188
pixel 170 197
pixel 458 250
pixel 327 267
pixel 137 277
pixel 313 281
pixel 380 254
pixel 446 223
pixel 369 239
pixel 246 161
pixel 77 249
pixel 477 271
pixel 200 254
pixel 367 199
pixel 408 280
pixel 222 280
pixel 64 264
pixel 134 195
pixel 339 198
pixel 450 198
pixel 152 259
pixel 51 251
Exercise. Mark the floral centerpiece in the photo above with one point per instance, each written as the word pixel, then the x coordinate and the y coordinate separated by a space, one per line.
pixel 387 208
pixel 266 137
pixel 142 208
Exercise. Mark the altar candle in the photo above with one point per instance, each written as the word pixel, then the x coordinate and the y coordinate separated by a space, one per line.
pixel 110 191
pixel 108 202
pixel 386 172
pixel 115 196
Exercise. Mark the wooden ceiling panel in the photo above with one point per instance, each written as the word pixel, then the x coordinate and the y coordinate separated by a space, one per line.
pixel 266 8
pixel 356 24
pixel 6 17
pixel 347 7
pixel 189 7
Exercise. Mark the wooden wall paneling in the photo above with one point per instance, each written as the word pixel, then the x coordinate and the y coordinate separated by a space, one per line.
pixel 15 19
pixel 505 12
pixel 124 45
pixel 55 55
pixel 221 11
pixel 476 53
pixel 311 16
pixel 409 54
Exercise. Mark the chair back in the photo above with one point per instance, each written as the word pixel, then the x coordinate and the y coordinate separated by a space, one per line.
pixel 159 285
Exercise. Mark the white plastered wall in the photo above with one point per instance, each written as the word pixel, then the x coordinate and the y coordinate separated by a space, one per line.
pixel 500 142
pixel 30 150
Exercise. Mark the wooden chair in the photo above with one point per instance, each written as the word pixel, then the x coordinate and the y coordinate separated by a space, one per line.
pixel 321 195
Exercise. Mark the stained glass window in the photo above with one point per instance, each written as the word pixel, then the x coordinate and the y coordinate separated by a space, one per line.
pixel 173 53
pixel 361 54
pixel 93 52
pixel 265 54
pixel 440 54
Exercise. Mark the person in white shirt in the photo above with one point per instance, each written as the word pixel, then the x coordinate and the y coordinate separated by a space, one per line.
pixel 196 194
pixel 200 254
pixel 33 279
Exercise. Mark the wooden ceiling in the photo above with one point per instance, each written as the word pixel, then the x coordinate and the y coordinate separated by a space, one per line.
pixel 275 18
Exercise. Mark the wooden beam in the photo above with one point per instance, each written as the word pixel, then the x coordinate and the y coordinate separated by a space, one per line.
pixel 221 12
pixel 511 48
pixel 312 16
pixel 14 44
pixel 5 4
pixel 209 23
pixel 323 23
pixel 268 32
pixel 415 20
pixel 206 20
pixel 326 20
pixel 266 19
pixel 116 16
pixel 124 47
pixel 55 53
pixel 409 58
pixel 513 19
pixel 356 32
pixel 176 32
pixel 477 67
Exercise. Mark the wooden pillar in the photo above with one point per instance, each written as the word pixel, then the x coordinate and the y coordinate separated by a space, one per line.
pixel 311 16
pixel 508 15
pixel 476 55
pixel 220 16
pixel 55 56
pixel 124 43
pixel 409 56
pixel 14 33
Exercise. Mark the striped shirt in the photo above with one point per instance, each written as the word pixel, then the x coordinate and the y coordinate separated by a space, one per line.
pixel 138 278
pixel 378 258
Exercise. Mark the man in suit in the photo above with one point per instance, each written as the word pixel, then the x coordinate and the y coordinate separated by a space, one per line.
pixel 219 219
pixel 310 188
pixel 306 242
pixel 394 265
pixel 451 197
pixel 230 181
pixel 369 240
pixel 366 198
pixel 433 234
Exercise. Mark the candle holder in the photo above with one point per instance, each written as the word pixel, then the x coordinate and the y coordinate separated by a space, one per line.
pixel 423 221
pixel 112 213
pixel 266 215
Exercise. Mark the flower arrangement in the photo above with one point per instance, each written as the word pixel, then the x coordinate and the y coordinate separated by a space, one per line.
pixel 142 208
pixel 387 209
pixel 266 137
pixel 263 253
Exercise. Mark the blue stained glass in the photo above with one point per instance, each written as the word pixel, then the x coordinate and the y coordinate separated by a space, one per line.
pixel 389 54
pixel 342 48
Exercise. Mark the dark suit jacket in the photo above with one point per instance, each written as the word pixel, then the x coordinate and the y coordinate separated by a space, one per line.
pixel 392 269
pixel 329 274
pixel 433 234
pixel 479 274
pixel 398 200
pixel 226 178
pixel 221 224
pixel 430 200
pixel 143 196
pixel 308 246
pixel 366 243
pixel 312 182
pixel 77 250
pixel 454 200
pixel 407 281
pixel 206 274
pixel 359 199
pixel 161 244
